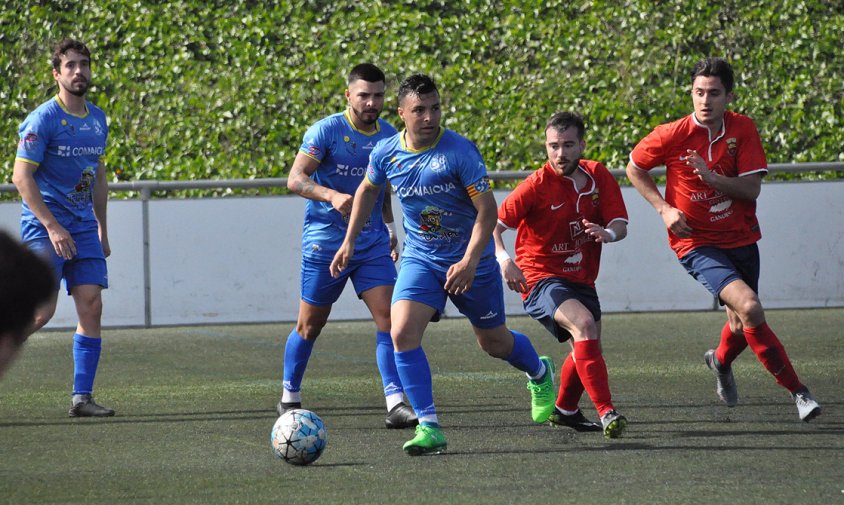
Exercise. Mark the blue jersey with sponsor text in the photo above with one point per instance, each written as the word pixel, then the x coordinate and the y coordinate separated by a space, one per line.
pixel 435 186
pixel 343 153
pixel 67 149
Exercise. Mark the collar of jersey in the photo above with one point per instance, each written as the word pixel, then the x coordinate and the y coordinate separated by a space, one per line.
pixel 352 124
pixel 433 144
pixel 721 132
pixel 64 108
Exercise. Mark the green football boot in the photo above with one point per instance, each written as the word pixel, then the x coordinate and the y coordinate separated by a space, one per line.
pixel 542 393
pixel 428 440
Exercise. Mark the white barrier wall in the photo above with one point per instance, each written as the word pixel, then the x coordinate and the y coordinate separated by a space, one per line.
pixel 237 259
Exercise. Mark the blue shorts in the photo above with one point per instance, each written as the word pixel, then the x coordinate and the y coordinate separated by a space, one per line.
pixel 319 288
pixel 483 304
pixel 715 267
pixel 87 267
pixel 548 294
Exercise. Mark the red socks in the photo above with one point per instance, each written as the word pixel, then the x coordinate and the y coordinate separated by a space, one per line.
pixel 593 373
pixel 772 354
pixel 732 344
pixel 571 389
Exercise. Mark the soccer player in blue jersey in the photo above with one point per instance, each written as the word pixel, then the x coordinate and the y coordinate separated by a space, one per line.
pixel 61 178
pixel 449 214
pixel 328 168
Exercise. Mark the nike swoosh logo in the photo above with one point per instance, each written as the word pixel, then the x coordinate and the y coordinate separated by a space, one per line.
pixel 555 207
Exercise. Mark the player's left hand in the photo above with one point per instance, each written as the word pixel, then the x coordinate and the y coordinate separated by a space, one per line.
pixel 459 278
pixel 341 259
pixel 106 246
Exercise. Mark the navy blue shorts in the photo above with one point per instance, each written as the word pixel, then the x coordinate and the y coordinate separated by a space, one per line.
pixel 548 294
pixel 483 304
pixel 319 288
pixel 715 267
pixel 87 267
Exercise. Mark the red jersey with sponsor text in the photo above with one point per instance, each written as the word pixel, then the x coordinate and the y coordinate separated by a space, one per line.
pixel 547 212
pixel 715 218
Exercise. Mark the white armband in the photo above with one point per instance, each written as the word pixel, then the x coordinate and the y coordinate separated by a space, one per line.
pixel 502 256
pixel 612 234
pixel 391 228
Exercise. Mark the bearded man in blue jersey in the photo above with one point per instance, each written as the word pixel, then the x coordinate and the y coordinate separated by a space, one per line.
pixel 61 178
pixel 449 214
pixel 328 168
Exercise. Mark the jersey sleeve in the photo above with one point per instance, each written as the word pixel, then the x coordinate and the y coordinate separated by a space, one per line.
pixel 650 151
pixel 751 154
pixel 473 172
pixel 517 205
pixel 315 143
pixel 612 203
pixel 33 139
pixel 376 173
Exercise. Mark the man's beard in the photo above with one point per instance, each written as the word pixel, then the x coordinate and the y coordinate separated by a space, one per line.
pixel 359 115
pixel 80 91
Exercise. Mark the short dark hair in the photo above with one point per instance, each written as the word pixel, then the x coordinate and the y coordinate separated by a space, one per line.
pixel 26 281
pixel 715 67
pixel 366 72
pixel 63 47
pixel 562 121
pixel 417 84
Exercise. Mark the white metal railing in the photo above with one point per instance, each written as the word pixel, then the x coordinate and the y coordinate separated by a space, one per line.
pixel 146 189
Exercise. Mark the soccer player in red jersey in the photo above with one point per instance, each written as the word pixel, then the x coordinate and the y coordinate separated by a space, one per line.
pixel 563 214
pixel 714 167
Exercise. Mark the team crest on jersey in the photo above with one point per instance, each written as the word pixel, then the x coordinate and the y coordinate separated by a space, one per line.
pixel 98 128
pixel 732 146
pixel 351 145
pixel 439 163
pixel 28 141
pixel 575 228
pixel 596 198
pixel 81 194
pixel 432 228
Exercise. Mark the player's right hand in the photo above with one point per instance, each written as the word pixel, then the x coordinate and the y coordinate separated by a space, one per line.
pixel 62 241
pixel 513 276
pixel 342 203
pixel 675 222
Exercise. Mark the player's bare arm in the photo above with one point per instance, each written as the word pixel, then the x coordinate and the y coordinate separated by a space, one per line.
pixel 100 204
pixel 364 202
pixel 300 182
pixel 674 219
pixel 23 179
pixel 510 272
pixel 389 220
pixel 745 188
pixel 460 275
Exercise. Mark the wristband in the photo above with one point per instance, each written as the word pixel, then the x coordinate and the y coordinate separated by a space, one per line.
pixel 502 256
pixel 391 228
pixel 611 233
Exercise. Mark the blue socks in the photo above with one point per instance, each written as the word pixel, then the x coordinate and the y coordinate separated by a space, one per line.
pixel 297 352
pixel 86 357
pixel 415 374
pixel 387 363
pixel 524 356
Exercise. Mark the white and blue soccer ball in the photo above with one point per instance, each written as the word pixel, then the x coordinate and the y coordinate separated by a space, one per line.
pixel 298 437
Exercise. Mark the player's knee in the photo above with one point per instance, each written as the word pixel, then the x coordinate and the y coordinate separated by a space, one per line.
pixel 91 308
pixel 751 312
pixel 309 331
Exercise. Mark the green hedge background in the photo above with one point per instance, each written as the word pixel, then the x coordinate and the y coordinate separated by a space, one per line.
pixel 198 89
